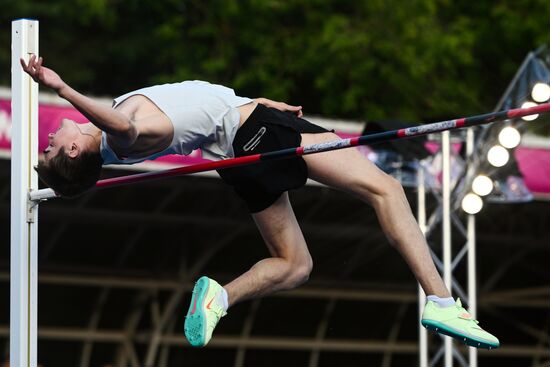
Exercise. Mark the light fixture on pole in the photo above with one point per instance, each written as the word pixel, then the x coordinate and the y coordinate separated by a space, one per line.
pixel 482 185
pixel 498 156
pixel 529 117
pixel 541 92
pixel 472 204
pixel 509 137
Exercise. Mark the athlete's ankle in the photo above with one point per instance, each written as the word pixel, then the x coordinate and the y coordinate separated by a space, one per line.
pixel 442 302
pixel 223 300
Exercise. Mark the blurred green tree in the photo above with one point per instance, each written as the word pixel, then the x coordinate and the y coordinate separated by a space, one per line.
pixel 418 60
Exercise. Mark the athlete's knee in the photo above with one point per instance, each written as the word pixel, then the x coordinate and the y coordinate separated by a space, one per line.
pixel 384 190
pixel 302 271
pixel 298 272
pixel 389 189
pixel 393 187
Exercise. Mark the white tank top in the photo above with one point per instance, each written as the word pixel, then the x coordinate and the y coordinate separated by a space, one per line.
pixel 204 116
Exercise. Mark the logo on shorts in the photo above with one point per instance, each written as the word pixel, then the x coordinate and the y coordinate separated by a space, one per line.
pixel 253 143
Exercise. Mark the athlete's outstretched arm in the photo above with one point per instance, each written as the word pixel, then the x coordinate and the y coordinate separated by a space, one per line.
pixel 107 119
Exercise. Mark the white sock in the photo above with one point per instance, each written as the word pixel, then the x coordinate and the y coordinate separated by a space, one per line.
pixel 442 302
pixel 222 299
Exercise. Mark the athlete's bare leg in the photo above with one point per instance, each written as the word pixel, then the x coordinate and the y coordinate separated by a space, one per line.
pixel 350 171
pixel 290 263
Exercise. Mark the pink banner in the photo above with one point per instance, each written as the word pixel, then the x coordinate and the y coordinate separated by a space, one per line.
pixel 5 125
pixel 533 163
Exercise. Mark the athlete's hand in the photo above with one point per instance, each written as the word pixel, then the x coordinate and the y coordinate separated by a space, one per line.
pixel 41 74
pixel 281 106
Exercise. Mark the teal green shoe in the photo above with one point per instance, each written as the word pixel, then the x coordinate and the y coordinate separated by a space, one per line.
pixel 456 322
pixel 204 312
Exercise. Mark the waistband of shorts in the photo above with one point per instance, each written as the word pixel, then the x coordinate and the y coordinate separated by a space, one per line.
pixel 259 111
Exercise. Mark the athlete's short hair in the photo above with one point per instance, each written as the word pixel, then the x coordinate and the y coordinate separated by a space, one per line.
pixel 70 177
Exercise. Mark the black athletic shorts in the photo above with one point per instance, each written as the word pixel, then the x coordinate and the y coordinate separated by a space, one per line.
pixel 266 130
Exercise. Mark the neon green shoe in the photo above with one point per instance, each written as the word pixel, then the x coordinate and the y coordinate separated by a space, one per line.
pixel 204 312
pixel 455 321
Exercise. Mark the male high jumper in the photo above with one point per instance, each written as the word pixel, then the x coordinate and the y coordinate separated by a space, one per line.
pixel 181 117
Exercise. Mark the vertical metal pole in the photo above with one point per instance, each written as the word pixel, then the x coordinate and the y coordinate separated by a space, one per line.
pixel 24 219
pixel 472 287
pixel 421 214
pixel 471 233
pixel 446 228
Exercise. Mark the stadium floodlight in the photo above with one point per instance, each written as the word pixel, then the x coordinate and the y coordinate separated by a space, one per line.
pixel 509 137
pixel 529 117
pixel 472 204
pixel 482 185
pixel 498 156
pixel 541 92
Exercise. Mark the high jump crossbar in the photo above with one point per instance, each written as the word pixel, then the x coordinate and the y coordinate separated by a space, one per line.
pixel 410 132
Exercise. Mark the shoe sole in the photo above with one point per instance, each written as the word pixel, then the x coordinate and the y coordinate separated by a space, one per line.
pixel 195 323
pixel 468 340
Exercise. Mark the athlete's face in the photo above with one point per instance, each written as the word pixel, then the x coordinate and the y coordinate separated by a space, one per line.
pixel 62 138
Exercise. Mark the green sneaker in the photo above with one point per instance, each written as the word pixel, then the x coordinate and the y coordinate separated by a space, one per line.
pixel 204 312
pixel 455 321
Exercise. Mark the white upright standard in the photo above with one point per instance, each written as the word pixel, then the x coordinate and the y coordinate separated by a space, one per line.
pixel 24 219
